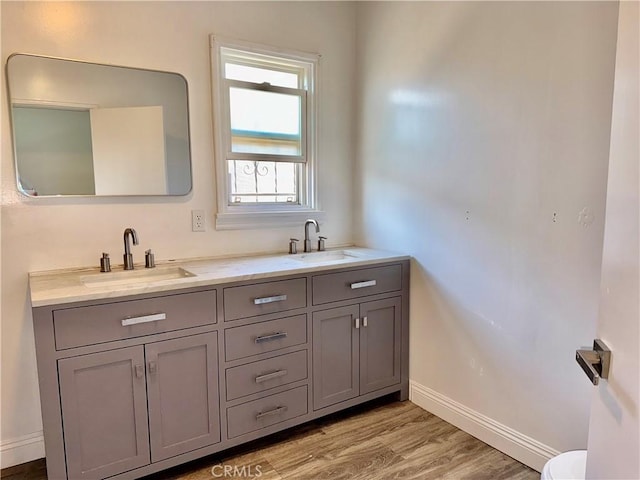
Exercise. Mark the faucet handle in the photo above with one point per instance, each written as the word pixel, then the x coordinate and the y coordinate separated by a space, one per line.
pixel 149 260
pixel 293 247
pixel 105 263
pixel 321 240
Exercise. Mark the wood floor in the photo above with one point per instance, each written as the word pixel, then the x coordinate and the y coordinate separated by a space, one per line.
pixel 383 441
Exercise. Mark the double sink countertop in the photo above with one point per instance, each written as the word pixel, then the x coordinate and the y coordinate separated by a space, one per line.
pixel 81 284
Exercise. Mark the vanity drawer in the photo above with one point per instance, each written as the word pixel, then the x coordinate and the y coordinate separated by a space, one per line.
pixel 260 376
pixel 332 287
pixel 261 298
pixel 267 411
pixel 263 337
pixel 75 327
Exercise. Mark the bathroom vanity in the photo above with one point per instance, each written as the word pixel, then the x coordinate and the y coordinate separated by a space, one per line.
pixel 140 371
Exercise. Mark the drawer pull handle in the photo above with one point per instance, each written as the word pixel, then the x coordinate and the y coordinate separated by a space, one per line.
pixel 368 283
pixel 273 336
pixel 144 319
pixel 365 321
pixel 270 376
pixel 275 411
pixel 139 371
pixel 275 298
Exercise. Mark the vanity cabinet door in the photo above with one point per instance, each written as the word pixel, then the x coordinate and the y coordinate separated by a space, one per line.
pixel 104 412
pixel 335 356
pixel 182 384
pixel 356 350
pixel 380 344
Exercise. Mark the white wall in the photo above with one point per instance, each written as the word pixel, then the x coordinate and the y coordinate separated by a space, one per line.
pixel 128 150
pixel 482 147
pixel 615 419
pixel 171 36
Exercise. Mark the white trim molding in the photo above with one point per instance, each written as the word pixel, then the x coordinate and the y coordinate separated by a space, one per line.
pixel 509 441
pixel 240 221
pixel 21 450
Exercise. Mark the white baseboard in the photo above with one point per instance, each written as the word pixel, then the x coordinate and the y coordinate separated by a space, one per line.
pixel 513 443
pixel 21 450
pixel 509 441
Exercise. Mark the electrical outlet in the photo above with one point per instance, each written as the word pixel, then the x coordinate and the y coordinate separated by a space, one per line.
pixel 197 221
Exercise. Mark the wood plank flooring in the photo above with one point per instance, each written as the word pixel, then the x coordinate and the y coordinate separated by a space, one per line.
pixel 381 441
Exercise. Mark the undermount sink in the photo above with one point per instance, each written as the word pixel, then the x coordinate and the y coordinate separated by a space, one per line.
pixel 135 277
pixel 327 256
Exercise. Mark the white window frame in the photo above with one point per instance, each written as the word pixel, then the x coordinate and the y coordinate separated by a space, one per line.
pixel 239 216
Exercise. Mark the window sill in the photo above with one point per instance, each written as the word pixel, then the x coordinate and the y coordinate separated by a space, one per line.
pixel 259 220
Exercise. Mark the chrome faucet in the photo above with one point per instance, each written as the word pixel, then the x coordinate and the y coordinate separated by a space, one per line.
pixel 307 242
pixel 128 257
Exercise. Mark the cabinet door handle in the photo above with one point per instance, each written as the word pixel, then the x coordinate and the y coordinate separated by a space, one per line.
pixel 275 298
pixel 275 411
pixel 153 367
pixel 270 376
pixel 144 319
pixel 357 322
pixel 139 371
pixel 273 336
pixel 364 322
pixel 368 283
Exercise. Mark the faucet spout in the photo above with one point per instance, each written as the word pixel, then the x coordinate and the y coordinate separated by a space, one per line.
pixel 307 241
pixel 128 257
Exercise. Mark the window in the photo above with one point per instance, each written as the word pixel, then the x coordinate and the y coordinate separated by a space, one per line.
pixel 264 107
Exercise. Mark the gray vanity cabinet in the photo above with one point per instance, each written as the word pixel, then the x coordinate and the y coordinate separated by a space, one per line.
pixel 182 386
pixel 266 374
pixel 380 344
pixel 106 397
pixel 134 385
pixel 356 350
pixel 335 356
pixel 104 410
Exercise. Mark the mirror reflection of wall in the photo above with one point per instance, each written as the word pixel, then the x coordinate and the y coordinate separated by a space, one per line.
pixel 90 129
pixel 128 150
pixel 54 147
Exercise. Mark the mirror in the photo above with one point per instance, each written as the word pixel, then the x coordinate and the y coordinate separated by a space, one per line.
pixel 89 129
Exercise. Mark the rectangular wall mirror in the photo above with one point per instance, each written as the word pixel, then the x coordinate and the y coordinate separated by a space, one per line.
pixel 86 129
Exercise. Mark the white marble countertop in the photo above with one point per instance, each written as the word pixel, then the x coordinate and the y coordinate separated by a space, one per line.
pixel 81 284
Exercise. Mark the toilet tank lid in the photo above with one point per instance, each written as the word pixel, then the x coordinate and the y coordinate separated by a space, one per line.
pixel 569 465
